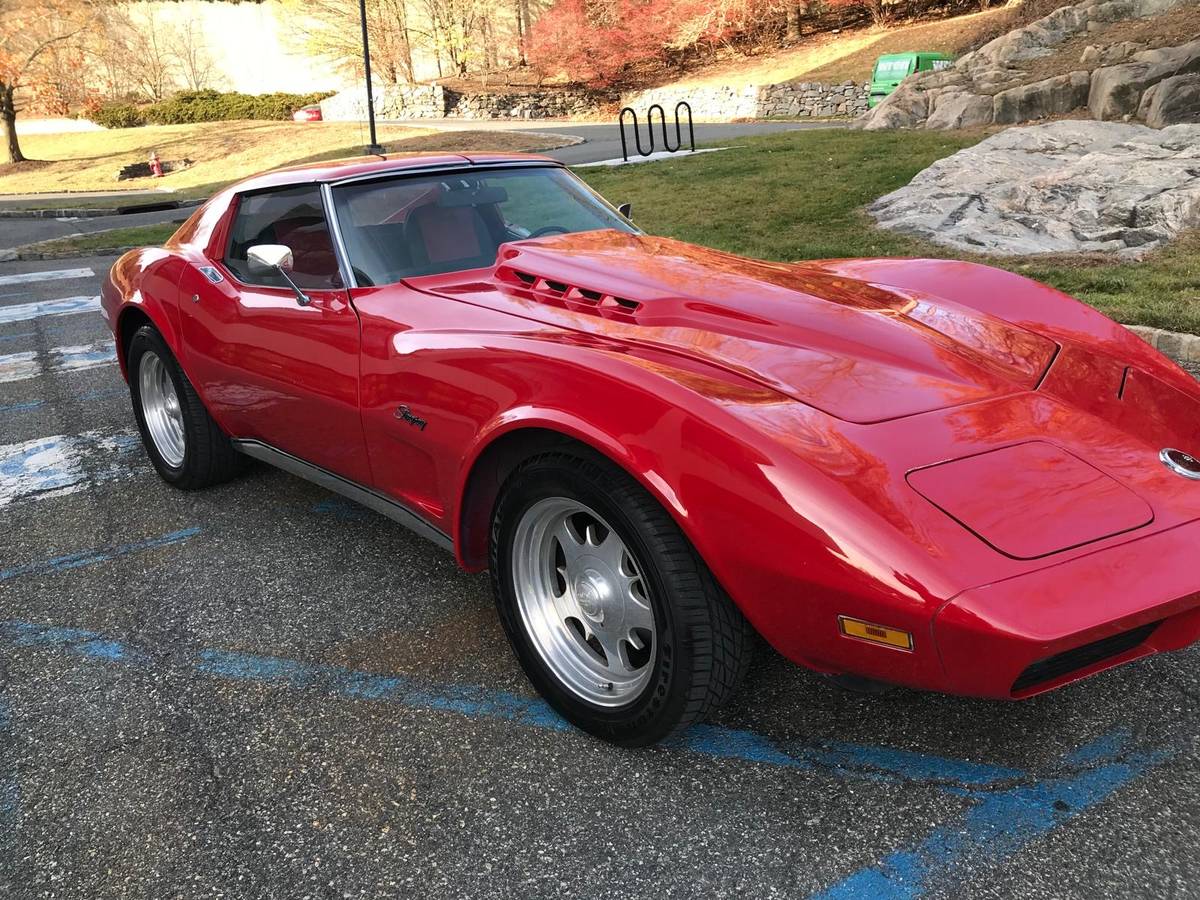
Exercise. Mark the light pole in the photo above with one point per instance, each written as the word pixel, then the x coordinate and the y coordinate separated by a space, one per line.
pixel 373 147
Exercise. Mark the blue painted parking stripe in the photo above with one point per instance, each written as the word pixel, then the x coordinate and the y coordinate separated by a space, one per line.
pixel 84 643
pixel 49 275
pixel 65 306
pixel 479 702
pixel 30 405
pixel 95 555
pixel 1001 823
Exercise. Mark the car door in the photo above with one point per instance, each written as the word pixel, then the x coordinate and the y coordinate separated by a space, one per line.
pixel 270 368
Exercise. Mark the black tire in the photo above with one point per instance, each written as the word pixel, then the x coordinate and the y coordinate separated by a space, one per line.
pixel 705 645
pixel 208 456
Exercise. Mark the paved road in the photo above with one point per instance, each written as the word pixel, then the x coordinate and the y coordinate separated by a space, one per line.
pixel 263 691
pixel 18 232
pixel 601 142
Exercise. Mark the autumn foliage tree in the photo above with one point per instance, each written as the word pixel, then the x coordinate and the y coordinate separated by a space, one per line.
pixel 32 34
pixel 600 42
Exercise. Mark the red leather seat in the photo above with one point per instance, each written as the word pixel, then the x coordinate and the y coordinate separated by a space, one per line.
pixel 446 238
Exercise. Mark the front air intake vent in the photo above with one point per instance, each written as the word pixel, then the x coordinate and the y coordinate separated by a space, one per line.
pixel 566 296
pixel 1055 667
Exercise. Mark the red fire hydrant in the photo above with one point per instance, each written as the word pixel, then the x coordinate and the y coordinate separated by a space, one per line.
pixel 155 165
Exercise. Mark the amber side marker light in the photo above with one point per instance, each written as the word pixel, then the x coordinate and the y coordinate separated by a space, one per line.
pixel 875 634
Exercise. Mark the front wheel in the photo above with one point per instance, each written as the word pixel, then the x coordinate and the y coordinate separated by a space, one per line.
pixel 613 616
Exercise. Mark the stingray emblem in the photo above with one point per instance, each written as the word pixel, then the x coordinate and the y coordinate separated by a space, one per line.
pixel 404 414
pixel 1181 463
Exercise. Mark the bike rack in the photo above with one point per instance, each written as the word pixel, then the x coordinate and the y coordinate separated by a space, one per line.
pixel 662 118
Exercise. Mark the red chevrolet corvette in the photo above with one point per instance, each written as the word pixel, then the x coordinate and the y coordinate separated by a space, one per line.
pixel 928 473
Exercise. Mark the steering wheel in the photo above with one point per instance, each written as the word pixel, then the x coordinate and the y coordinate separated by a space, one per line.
pixel 548 229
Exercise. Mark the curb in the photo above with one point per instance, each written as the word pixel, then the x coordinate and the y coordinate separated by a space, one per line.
pixel 93 213
pixel 1175 344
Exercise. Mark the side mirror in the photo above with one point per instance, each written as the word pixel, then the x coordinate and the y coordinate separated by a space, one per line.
pixel 276 258
pixel 268 257
pixel 626 209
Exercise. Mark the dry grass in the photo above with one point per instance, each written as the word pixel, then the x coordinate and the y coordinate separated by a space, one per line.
pixel 848 56
pixel 222 151
pixel 1168 30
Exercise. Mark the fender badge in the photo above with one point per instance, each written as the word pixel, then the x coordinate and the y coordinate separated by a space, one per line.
pixel 405 414
pixel 212 274
pixel 1181 463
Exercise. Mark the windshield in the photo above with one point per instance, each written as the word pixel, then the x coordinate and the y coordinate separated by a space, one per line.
pixel 892 69
pixel 401 227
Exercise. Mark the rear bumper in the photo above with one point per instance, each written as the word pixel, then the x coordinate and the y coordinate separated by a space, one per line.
pixel 1036 632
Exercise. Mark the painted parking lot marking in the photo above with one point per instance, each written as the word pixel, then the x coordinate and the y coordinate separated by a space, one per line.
pixel 1008 808
pixel 19 366
pixel 86 397
pixel 28 364
pixel 51 275
pixel 64 306
pixel 95 555
pixel 480 702
pixel 62 464
pixel 1001 823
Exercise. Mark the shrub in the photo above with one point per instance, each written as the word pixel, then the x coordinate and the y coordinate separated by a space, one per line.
pixel 210 106
pixel 117 115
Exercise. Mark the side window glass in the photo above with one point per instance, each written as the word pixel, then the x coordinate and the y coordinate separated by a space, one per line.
pixel 295 218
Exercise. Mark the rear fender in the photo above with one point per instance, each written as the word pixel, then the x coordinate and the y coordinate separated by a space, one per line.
pixel 144 285
pixel 1016 299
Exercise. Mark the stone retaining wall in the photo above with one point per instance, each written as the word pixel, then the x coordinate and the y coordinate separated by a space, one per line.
pixel 795 99
pixel 436 102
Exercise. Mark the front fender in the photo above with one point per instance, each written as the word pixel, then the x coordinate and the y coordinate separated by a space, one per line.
pixel 779 534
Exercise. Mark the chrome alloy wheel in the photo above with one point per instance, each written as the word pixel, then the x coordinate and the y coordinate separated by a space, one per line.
pixel 584 601
pixel 160 408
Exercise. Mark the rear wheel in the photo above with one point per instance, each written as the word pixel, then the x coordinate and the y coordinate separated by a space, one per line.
pixel 612 614
pixel 187 448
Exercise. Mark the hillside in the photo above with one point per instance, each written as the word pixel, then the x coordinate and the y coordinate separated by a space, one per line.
pixel 1100 59
pixel 847 55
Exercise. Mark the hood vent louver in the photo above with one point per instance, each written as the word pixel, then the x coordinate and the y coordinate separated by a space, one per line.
pixel 566 296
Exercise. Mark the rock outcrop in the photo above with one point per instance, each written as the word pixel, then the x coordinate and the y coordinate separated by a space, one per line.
pixel 988 86
pixel 1174 99
pixel 1068 186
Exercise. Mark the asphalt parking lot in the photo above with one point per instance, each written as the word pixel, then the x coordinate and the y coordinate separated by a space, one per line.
pixel 264 691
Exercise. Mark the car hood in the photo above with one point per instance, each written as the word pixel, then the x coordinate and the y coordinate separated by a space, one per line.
pixel 858 351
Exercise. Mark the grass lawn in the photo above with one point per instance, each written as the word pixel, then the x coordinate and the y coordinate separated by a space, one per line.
pixel 800 196
pixel 222 151
pixel 135 236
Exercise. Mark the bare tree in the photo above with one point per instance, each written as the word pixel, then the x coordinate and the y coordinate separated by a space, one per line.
pixel 330 28
pixel 192 59
pixel 151 63
pixel 29 31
